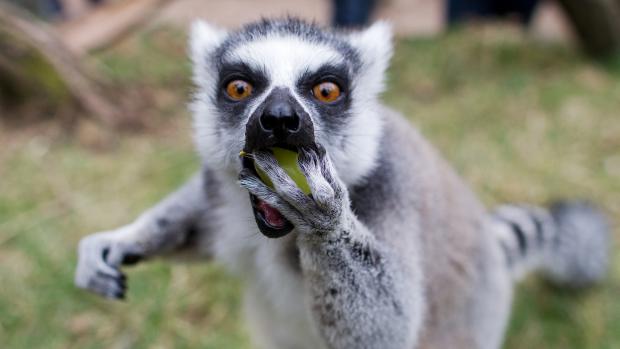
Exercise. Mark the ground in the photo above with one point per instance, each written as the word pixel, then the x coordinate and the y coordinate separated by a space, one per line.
pixel 520 121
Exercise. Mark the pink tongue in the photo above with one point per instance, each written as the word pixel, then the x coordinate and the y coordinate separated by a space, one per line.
pixel 272 216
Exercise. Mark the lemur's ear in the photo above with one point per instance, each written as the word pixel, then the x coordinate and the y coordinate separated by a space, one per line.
pixel 374 45
pixel 204 38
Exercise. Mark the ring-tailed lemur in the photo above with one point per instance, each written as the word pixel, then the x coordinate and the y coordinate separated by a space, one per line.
pixel 390 250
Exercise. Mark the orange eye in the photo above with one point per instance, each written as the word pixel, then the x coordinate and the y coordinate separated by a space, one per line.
pixel 326 92
pixel 239 90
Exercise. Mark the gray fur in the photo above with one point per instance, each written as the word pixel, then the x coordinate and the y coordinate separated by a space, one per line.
pixel 391 250
pixel 579 256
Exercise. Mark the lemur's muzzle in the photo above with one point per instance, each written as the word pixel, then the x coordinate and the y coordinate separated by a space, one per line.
pixel 279 122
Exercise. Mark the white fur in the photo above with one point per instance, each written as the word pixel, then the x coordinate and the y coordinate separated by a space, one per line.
pixel 375 47
pixel 284 58
pixel 204 38
pixel 273 291
pixel 359 154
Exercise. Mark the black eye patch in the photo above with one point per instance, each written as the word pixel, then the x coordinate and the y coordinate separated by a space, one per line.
pixel 338 74
pixel 241 71
pixel 333 114
pixel 231 110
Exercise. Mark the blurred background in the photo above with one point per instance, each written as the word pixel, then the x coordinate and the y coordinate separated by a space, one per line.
pixel 521 96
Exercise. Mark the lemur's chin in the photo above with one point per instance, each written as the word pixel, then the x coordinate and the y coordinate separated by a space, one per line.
pixel 270 221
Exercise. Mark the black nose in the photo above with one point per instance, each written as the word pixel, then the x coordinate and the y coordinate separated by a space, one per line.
pixel 280 118
pixel 279 121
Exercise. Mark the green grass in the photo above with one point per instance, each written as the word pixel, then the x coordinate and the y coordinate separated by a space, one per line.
pixel 520 120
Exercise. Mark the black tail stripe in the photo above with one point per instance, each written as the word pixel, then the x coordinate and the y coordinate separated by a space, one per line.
pixel 540 238
pixel 521 240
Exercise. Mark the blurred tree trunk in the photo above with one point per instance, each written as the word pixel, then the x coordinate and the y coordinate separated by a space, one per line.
pixel 37 71
pixel 597 23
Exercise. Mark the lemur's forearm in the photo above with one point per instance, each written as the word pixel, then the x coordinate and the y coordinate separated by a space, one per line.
pixel 170 224
pixel 165 228
pixel 360 295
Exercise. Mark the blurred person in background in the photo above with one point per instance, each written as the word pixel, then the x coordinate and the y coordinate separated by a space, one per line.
pixel 461 10
pixel 50 9
pixel 46 9
pixel 352 13
pixel 357 13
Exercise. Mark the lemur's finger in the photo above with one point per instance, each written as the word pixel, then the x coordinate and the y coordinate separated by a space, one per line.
pixel 317 154
pixel 257 188
pixel 329 171
pixel 91 250
pixel 282 182
pixel 310 166
pixel 107 286
pixel 121 281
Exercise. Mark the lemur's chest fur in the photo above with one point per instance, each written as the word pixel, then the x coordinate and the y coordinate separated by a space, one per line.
pixel 275 301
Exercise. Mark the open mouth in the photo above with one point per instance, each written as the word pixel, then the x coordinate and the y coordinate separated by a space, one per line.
pixel 270 221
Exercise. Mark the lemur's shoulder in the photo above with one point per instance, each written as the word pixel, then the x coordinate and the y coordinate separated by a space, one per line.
pixel 412 187
pixel 419 165
pixel 428 198
pixel 427 183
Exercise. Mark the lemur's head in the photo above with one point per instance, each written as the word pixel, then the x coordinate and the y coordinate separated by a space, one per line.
pixel 289 83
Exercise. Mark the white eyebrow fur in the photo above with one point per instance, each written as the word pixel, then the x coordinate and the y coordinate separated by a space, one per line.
pixel 288 57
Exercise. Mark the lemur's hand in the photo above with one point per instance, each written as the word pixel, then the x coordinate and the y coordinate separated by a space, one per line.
pixel 328 208
pixel 99 259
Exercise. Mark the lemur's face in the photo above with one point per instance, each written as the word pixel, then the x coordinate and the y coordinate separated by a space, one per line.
pixel 287 83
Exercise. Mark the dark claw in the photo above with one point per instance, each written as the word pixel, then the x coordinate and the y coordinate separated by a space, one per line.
pixel 119 295
pixel 131 259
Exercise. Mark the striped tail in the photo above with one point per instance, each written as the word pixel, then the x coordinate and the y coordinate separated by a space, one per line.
pixel 569 243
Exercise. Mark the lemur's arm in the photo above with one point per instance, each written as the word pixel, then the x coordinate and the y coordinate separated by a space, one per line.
pixel 362 293
pixel 177 223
